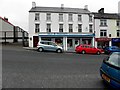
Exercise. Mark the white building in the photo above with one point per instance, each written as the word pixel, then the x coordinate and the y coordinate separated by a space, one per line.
pixel 65 26
pixel 107 29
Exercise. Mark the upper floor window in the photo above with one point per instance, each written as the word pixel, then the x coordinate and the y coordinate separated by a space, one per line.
pixel 60 27
pixel 103 22
pixel 118 23
pixel 48 17
pixel 70 27
pixel 37 16
pixel 48 27
pixel 37 28
pixel 90 18
pixel 70 17
pixel 103 33
pixel 79 18
pixel 61 17
pixel 90 28
pixel 79 27
pixel 118 33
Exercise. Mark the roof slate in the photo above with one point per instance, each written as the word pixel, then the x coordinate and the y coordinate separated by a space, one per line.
pixel 59 10
pixel 106 16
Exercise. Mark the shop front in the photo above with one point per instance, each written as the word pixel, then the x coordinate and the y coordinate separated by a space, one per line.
pixel 68 40
pixel 103 42
pixel 116 42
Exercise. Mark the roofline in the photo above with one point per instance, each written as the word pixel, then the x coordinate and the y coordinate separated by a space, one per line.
pixel 87 11
pixel 6 21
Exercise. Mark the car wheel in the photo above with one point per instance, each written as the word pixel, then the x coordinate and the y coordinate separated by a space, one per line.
pixel 40 49
pixel 83 52
pixel 59 51
pixel 98 53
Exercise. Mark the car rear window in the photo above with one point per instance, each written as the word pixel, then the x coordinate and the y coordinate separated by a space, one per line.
pixel 114 59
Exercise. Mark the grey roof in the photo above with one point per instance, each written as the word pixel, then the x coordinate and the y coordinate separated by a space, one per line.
pixel 106 16
pixel 59 10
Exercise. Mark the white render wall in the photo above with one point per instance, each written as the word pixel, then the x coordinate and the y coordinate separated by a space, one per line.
pixel 111 28
pixel 55 22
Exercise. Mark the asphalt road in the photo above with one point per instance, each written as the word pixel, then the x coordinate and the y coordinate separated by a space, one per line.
pixel 31 69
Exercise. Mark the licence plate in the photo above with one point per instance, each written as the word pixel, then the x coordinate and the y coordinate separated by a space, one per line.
pixel 106 78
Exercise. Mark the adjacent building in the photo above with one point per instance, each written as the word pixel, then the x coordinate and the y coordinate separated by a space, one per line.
pixel 65 26
pixel 6 30
pixel 10 33
pixel 107 29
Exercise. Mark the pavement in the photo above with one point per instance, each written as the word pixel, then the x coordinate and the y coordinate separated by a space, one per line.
pixel 70 50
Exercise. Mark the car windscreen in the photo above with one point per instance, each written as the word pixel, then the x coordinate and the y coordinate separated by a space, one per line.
pixel 114 60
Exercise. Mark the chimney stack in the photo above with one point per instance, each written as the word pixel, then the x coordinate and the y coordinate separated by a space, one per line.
pixel 5 18
pixel 86 7
pixel 33 4
pixel 62 6
pixel 101 10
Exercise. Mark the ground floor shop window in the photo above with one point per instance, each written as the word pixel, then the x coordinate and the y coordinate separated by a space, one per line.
pixel 59 41
pixel 87 41
pixel 46 39
pixel 69 43
pixel 102 44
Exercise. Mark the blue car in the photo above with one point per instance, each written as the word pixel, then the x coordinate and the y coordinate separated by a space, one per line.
pixel 110 70
pixel 111 49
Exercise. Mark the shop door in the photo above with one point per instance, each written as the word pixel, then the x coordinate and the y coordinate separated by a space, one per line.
pixel 35 41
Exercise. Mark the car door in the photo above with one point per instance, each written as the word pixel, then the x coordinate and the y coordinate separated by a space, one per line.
pixel 52 46
pixel 93 49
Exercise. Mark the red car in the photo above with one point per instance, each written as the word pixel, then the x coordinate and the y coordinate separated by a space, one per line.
pixel 83 48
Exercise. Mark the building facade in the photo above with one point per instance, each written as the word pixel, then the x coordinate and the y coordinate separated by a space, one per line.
pixel 107 29
pixel 6 30
pixel 65 26
pixel 10 33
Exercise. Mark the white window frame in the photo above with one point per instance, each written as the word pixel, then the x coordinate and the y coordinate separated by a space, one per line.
pixel 48 16
pixel 37 28
pixel 103 22
pixel 61 17
pixel 70 17
pixel 60 27
pixel 90 28
pixel 79 18
pixel 70 28
pixel 37 16
pixel 79 27
pixel 118 33
pixel 104 32
pixel 48 27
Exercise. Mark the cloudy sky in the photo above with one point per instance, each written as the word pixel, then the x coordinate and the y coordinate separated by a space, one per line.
pixel 17 11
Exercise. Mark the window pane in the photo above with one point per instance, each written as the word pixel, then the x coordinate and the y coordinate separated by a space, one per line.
pixel 36 16
pixel 48 17
pixel 70 28
pixel 48 27
pixel 79 18
pixel 113 59
pixel 70 18
pixel 61 17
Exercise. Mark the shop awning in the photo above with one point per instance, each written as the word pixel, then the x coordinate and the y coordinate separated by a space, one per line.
pixel 66 35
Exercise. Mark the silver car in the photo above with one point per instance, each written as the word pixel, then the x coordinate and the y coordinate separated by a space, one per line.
pixel 49 46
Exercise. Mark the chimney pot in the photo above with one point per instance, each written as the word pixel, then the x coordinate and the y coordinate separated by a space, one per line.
pixel 62 6
pixel 33 4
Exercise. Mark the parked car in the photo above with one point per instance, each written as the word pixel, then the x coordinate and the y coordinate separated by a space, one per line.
pixel 110 70
pixel 83 48
pixel 49 46
pixel 110 49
